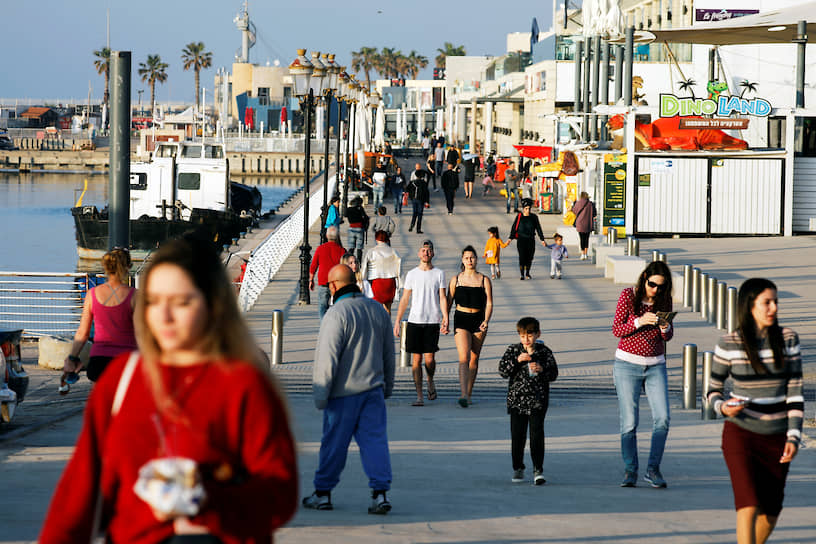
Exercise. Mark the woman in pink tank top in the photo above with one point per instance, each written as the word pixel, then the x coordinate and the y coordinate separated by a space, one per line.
pixel 109 307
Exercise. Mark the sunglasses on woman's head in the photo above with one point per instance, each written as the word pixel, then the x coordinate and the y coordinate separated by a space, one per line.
pixel 654 285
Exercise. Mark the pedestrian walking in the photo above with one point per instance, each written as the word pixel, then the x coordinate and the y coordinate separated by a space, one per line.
pixel 195 414
pixel 558 252
pixel 108 308
pixel 418 193
pixel 450 183
pixel 584 211
pixel 640 364
pixel 763 429
pixel 383 222
pixel 524 230
pixel 350 260
pixel 426 145
pixel 530 367
pixel 490 174
pixel 358 225
pixel 378 179
pixel 469 171
pixel 439 162
pixel 325 257
pixel 511 186
pixel 353 375
pixel 452 156
pixel 492 251
pixel 397 189
pixel 381 269
pixel 333 214
pixel 424 290
pixel 470 293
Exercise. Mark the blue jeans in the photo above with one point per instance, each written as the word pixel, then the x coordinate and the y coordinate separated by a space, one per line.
pixel 510 196
pixel 323 298
pixel 378 193
pixel 629 380
pixel 397 200
pixel 356 238
pixel 363 417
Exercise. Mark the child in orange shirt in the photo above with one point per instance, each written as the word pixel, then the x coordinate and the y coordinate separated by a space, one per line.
pixel 492 251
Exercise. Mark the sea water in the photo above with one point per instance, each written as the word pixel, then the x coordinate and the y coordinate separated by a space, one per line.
pixel 38 229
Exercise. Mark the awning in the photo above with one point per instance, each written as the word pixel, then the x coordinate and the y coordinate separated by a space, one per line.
pixel 773 26
pixel 534 151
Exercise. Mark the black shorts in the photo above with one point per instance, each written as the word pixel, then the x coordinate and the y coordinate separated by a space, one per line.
pixel 468 321
pixel 422 338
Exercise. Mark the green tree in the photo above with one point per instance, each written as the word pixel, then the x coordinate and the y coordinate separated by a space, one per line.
pixel 416 62
pixel 193 56
pixel 364 61
pixel 102 65
pixel 389 60
pixel 153 71
pixel 449 50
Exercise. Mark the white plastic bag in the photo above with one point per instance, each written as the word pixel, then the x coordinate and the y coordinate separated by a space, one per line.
pixel 171 486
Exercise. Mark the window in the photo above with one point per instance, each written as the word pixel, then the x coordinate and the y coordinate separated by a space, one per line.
pixel 166 151
pixel 189 181
pixel 263 96
pixel 191 151
pixel 213 152
pixel 138 181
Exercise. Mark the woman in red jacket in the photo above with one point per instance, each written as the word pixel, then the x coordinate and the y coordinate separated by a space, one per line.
pixel 640 363
pixel 198 390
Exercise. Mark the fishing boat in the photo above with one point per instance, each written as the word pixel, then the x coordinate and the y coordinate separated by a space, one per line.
pixel 184 188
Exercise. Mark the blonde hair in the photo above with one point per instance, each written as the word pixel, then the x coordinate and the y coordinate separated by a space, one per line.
pixel 226 336
pixel 358 276
pixel 116 263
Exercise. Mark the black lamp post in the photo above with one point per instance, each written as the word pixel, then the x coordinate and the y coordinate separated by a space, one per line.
pixel 340 98
pixel 353 88
pixel 330 84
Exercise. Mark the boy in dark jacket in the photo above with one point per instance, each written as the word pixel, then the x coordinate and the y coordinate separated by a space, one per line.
pixel 530 367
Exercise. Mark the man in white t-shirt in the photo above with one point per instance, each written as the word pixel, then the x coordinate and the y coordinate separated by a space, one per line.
pixel 424 287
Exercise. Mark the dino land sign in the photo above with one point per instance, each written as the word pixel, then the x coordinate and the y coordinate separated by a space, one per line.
pixel 723 106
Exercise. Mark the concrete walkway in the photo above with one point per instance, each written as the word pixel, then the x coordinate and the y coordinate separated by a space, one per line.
pixel 452 465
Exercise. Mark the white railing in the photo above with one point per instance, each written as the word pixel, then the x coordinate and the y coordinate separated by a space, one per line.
pixel 268 257
pixel 256 144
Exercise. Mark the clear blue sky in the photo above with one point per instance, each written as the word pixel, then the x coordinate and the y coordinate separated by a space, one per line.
pixel 49 44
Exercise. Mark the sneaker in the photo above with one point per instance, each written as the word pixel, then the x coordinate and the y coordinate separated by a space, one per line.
pixel 552 276
pixel 529 277
pixel 629 479
pixel 559 277
pixel 64 389
pixel 498 275
pixel 71 378
pixel 379 504
pixel 654 478
pixel 518 476
pixel 538 478
pixel 522 278
pixel 318 502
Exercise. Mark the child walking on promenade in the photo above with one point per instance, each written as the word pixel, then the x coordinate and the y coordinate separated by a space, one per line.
pixel 492 251
pixel 558 252
pixel 530 366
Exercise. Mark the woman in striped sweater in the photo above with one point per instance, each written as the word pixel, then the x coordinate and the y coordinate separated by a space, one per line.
pixel 765 411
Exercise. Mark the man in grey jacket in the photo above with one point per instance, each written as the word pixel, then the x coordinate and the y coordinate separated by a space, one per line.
pixel 353 375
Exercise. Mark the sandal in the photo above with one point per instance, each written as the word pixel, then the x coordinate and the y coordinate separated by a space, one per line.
pixel 463 402
pixel 417 403
pixel 432 393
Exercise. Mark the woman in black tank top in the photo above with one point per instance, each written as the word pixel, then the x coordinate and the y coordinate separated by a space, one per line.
pixel 472 294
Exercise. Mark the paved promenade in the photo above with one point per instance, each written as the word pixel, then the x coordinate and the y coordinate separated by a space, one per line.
pixel 452 466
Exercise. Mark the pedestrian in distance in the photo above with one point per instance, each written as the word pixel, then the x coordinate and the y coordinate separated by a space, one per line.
pixel 490 174
pixel 193 414
pixel 381 269
pixel 418 193
pixel 640 364
pixel 424 290
pixel 378 179
pixel 358 225
pixel 383 222
pixel 350 260
pixel 426 145
pixel 397 189
pixel 470 293
pixel 452 156
pixel 450 183
pixel 333 214
pixel 530 367
pixel 558 252
pixel 108 308
pixel 326 257
pixel 763 429
pixel 584 211
pixel 353 375
pixel 511 186
pixel 524 230
pixel 439 162
pixel 469 170
pixel 492 252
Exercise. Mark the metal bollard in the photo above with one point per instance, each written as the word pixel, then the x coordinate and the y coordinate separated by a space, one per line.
pixel 662 257
pixel 687 286
pixel 405 357
pixel 712 299
pixel 704 296
pixel 629 240
pixel 655 255
pixel 722 290
pixel 611 236
pixel 707 411
pixel 635 247
pixel 695 290
pixel 277 338
pixel 731 310
pixel 689 376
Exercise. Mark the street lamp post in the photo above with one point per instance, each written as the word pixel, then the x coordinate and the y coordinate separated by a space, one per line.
pixel 340 98
pixel 301 71
pixel 329 86
pixel 353 87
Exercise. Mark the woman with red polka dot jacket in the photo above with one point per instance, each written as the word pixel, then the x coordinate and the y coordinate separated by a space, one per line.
pixel 640 363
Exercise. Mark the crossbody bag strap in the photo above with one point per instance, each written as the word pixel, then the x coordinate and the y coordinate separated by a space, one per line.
pixel 124 382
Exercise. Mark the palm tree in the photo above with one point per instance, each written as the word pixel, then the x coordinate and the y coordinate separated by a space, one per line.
pixel 748 86
pixel 364 61
pixel 688 85
pixel 449 50
pixel 193 56
pixel 389 59
pixel 416 62
pixel 152 71
pixel 102 65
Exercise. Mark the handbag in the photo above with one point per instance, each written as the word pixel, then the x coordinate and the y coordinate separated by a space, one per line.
pixel 405 198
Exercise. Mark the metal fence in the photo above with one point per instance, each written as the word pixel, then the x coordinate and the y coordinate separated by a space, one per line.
pixel 267 259
pixel 256 144
pixel 43 303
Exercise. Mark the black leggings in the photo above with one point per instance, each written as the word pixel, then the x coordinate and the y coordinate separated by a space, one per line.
pixel 584 236
pixel 96 365
pixel 518 436
pixel 526 252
